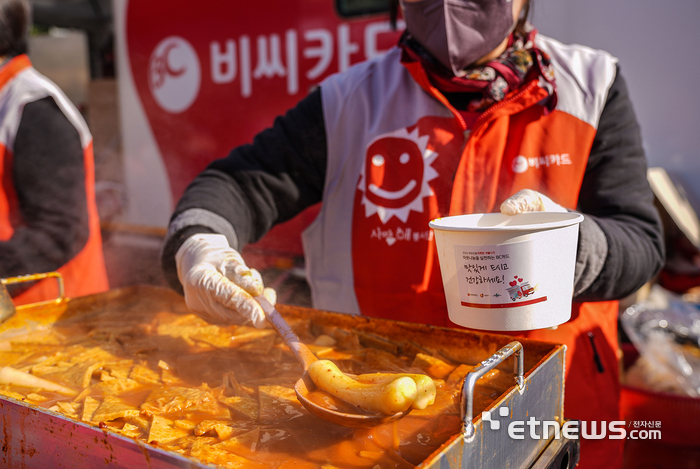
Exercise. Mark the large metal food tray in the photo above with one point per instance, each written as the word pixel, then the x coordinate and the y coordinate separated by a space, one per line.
pixel 33 437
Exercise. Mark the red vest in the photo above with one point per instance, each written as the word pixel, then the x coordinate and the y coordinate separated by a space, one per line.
pixel 400 156
pixel 85 273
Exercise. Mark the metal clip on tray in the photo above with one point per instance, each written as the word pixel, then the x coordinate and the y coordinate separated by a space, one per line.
pixel 8 308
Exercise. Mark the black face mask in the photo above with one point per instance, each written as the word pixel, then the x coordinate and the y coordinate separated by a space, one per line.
pixel 459 32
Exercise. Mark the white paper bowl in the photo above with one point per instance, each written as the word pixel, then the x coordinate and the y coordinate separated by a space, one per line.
pixel 508 273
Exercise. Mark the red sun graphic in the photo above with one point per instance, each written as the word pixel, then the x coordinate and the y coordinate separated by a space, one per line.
pixel 395 175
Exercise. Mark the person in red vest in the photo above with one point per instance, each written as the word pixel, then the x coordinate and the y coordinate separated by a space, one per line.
pixel 472 112
pixel 48 216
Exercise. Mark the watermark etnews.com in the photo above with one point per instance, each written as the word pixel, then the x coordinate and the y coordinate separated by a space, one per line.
pixel 573 429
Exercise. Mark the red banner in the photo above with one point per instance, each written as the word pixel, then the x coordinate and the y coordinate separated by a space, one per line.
pixel 212 74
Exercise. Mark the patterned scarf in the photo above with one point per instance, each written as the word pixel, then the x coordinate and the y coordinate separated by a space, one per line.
pixel 489 83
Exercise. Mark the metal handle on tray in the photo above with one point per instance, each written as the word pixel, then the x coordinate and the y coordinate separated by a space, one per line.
pixel 467 402
pixel 33 278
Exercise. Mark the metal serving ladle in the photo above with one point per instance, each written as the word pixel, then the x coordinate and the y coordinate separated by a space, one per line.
pixel 304 386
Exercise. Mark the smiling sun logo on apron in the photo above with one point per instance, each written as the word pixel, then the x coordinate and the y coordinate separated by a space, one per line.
pixel 394 202
pixel 395 175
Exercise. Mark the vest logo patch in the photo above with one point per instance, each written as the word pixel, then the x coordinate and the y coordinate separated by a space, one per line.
pixel 522 163
pixel 395 175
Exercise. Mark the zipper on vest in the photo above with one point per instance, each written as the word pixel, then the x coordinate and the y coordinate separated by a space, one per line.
pixel 467 133
pixel 596 357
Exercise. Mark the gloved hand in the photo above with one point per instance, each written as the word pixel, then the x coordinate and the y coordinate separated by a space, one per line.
pixel 528 200
pixel 218 285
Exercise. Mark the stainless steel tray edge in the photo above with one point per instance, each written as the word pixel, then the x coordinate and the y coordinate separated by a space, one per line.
pixel 493 448
pixel 41 439
pixel 33 437
pixel 36 438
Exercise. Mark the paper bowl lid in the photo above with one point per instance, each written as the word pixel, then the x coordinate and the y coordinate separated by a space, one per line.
pixel 530 221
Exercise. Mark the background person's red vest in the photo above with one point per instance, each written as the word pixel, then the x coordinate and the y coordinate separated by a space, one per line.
pixel 85 273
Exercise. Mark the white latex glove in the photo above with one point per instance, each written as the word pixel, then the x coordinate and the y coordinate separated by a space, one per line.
pixel 528 200
pixel 218 285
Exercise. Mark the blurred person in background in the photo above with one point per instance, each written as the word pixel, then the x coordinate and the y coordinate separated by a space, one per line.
pixel 472 112
pixel 48 216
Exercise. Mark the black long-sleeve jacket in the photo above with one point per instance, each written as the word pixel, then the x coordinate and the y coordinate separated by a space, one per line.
pixel 48 177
